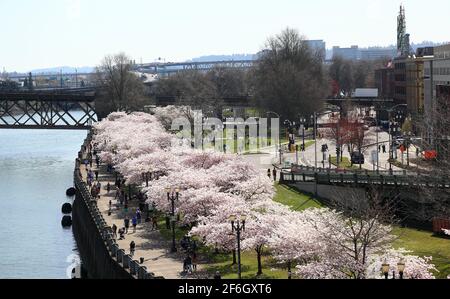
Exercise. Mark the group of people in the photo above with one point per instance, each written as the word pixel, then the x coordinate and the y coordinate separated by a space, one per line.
pixel 190 262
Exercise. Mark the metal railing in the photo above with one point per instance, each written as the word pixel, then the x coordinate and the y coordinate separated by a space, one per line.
pixel 330 177
pixel 125 261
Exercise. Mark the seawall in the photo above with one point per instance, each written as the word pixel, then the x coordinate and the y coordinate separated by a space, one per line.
pixel 101 256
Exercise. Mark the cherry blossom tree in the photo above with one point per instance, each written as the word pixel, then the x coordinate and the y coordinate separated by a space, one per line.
pixel 415 267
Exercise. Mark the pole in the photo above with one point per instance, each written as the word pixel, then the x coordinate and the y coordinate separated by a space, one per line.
pixel 378 146
pixel 315 138
pixel 304 145
pixel 238 231
pixel 390 142
pixel 172 199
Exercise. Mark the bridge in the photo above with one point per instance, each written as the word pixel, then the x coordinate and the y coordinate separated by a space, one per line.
pixel 302 174
pixel 176 67
pixel 48 109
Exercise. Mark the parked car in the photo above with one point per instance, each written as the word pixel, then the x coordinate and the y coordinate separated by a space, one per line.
pixel 357 158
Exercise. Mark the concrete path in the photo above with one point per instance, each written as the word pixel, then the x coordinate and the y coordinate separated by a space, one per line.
pixel 150 245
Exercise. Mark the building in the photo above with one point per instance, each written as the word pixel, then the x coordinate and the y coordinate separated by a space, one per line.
pixel 408 83
pixel 377 53
pixel 371 53
pixel 436 73
pixel 351 53
pixel 385 83
pixel 318 45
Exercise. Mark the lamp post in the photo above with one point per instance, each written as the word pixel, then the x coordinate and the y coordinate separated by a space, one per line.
pixel 172 196
pixel 400 268
pixel 303 123
pixel 391 150
pixel 238 226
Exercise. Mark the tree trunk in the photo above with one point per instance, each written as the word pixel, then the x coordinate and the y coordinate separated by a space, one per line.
pixel 259 254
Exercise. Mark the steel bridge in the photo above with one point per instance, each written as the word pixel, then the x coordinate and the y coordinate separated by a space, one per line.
pixel 48 109
pixel 176 67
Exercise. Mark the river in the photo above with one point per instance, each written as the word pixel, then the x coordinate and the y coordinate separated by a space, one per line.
pixel 36 168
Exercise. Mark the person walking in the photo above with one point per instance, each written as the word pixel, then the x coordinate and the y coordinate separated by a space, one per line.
pixel 132 248
pixel 139 216
pixel 134 222
pixel 274 174
pixel 96 175
pixel 384 149
pixel 108 188
pixel 269 173
pixel 127 224
pixel 154 223
pixel 114 229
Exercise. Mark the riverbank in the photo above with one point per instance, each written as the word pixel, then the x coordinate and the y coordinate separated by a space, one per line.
pixel 101 255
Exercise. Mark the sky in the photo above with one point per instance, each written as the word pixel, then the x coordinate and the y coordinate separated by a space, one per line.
pixel 52 33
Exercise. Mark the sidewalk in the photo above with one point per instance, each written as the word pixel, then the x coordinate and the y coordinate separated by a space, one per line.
pixel 149 244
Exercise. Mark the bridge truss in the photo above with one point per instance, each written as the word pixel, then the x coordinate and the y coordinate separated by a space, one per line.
pixel 46 110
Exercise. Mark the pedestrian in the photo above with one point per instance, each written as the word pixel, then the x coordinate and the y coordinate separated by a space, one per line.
pixel 127 224
pixel 96 175
pixel 114 229
pixel 154 223
pixel 132 248
pixel 275 174
pixel 134 222
pixel 108 187
pixel 188 264
pixel 379 148
pixel 417 152
pixel 90 162
pixel 125 208
pixel 86 163
pixel 122 233
pixel 217 275
pixel 384 149
pixel 139 216
pixel 97 161
pixel 269 173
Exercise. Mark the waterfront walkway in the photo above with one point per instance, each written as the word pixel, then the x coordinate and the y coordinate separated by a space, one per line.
pixel 150 245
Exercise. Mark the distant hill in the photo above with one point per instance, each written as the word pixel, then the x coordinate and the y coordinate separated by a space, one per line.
pixel 64 69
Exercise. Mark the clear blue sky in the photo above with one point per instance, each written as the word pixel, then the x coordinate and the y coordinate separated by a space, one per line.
pixel 50 33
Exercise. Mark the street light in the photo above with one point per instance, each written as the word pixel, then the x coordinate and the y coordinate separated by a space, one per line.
pixel 400 268
pixel 303 123
pixel 172 196
pixel 391 152
pixel 238 225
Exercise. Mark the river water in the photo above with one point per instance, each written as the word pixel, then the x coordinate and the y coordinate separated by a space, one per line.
pixel 36 169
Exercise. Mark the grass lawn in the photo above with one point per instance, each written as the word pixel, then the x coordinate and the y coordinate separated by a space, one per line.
pixel 223 263
pixel 424 243
pixel 346 164
pixel 297 201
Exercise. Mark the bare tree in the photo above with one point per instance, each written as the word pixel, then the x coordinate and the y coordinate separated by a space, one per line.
pixel 121 90
pixel 289 77
pixel 434 127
